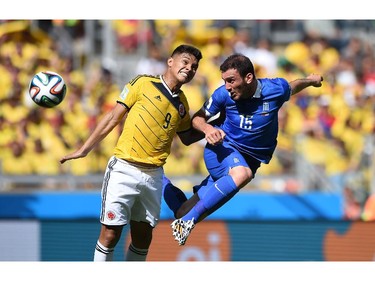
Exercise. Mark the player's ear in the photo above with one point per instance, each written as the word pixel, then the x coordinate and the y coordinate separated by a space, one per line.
pixel 170 61
pixel 249 78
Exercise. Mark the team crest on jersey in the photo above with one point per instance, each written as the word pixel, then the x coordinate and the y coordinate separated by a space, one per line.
pixel 111 215
pixel 181 110
pixel 266 109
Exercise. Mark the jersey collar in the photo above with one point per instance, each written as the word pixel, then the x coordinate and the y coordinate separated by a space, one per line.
pixel 258 91
pixel 174 95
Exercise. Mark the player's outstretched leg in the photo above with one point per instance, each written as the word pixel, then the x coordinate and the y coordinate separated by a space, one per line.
pixel 213 198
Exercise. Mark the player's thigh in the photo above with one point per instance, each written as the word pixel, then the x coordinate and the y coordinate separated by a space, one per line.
pixel 220 159
pixel 148 204
pixel 119 192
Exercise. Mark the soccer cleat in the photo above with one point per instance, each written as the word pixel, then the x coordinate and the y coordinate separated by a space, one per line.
pixel 181 230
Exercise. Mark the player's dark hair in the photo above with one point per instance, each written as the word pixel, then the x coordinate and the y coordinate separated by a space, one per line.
pixel 239 62
pixel 188 49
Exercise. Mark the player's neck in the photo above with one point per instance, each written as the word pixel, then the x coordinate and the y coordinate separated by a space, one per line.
pixel 251 89
pixel 172 85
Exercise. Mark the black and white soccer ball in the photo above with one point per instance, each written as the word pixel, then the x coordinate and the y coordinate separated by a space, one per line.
pixel 47 89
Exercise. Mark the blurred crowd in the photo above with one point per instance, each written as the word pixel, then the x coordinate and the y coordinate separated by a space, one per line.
pixel 330 127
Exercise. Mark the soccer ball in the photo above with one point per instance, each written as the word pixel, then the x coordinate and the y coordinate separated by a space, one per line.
pixel 47 89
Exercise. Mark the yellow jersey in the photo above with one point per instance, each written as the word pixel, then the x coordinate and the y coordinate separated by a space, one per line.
pixel 155 115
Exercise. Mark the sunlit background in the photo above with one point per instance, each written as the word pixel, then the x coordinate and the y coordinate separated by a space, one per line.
pixel 325 144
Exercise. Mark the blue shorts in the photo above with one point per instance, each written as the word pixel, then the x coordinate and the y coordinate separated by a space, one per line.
pixel 219 159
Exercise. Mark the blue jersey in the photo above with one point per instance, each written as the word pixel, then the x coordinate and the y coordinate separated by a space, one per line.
pixel 251 125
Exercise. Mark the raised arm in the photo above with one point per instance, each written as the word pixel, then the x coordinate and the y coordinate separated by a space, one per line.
pixel 203 128
pixel 212 134
pixel 298 85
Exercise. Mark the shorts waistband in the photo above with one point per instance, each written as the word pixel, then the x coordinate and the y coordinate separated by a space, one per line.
pixel 140 165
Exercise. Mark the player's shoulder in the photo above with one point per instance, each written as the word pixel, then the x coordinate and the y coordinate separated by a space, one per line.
pixel 219 96
pixel 273 80
pixel 274 83
pixel 275 87
pixel 144 78
pixel 221 91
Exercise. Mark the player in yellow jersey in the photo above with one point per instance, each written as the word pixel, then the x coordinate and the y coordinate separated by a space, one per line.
pixel 155 109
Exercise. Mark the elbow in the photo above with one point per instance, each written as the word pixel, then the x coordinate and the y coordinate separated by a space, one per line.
pixel 191 136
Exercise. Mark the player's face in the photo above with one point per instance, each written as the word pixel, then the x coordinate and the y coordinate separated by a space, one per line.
pixel 183 66
pixel 237 86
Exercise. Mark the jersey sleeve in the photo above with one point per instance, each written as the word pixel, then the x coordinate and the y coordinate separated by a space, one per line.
pixel 287 89
pixel 129 93
pixel 216 103
pixel 276 88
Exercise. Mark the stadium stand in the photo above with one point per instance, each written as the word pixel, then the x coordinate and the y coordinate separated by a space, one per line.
pixel 326 136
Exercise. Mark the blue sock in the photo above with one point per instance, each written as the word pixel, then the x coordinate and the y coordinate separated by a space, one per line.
pixel 205 183
pixel 217 194
pixel 173 196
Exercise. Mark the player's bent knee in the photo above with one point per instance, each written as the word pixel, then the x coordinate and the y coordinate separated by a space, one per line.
pixel 241 175
pixel 110 235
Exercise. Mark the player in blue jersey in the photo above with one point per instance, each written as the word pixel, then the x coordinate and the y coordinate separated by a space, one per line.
pixel 238 145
